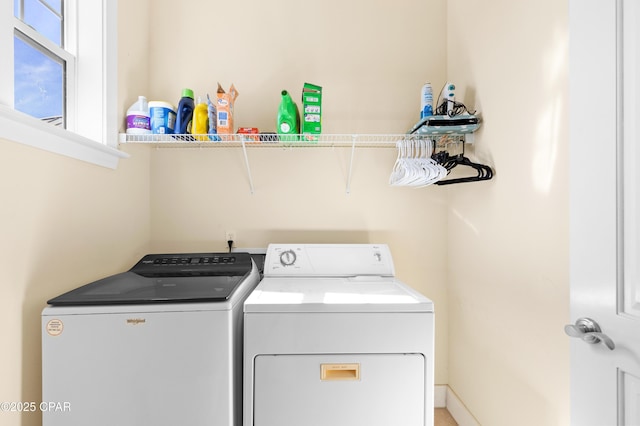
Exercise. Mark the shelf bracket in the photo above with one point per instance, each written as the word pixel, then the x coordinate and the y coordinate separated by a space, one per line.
pixel 246 164
pixel 353 152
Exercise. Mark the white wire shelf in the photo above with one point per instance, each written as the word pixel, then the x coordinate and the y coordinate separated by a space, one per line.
pixel 278 141
pixel 245 141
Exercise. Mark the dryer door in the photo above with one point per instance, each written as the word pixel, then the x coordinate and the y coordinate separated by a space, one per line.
pixel 339 390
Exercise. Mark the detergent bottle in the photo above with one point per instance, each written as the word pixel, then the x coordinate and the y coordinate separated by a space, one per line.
pixel 138 117
pixel 288 117
pixel 185 112
pixel 200 119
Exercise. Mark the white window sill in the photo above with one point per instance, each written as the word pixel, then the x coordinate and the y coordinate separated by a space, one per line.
pixel 22 128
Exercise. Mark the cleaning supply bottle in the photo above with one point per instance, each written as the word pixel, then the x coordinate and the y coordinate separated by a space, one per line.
pixel 426 101
pixel 138 118
pixel 288 117
pixel 163 117
pixel 213 120
pixel 200 118
pixel 185 112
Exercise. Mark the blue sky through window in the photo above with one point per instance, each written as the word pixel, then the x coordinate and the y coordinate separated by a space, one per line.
pixel 39 76
pixel 38 81
pixel 43 20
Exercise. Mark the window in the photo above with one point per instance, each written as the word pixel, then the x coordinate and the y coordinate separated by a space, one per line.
pixel 60 94
pixel 40 60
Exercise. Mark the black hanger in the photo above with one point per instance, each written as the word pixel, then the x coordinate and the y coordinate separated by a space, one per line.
pixel 449 162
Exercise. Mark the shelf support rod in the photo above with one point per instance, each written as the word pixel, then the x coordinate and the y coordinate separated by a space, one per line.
pixel 353 152
pixel 246 164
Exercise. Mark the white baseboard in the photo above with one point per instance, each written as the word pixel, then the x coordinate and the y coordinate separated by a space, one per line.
pixel 440 396
pixel 456 408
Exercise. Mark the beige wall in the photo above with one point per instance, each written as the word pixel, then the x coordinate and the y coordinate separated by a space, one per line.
pixel 508 240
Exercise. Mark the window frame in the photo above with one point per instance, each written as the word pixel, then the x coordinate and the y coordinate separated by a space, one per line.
pixel 92 130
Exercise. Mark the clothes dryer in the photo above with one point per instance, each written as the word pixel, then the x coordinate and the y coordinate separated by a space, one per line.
pixel 158 345
pixel 332 338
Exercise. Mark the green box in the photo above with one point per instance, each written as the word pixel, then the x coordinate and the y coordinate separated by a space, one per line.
pixel 311 111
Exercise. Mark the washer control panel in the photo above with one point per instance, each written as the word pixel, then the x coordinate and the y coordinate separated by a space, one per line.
pixel 193 264
pixel 328 260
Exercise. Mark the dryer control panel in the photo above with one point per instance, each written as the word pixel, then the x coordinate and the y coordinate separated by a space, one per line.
pixel 328 260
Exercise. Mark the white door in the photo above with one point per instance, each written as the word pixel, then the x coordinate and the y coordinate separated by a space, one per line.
pixel 605 208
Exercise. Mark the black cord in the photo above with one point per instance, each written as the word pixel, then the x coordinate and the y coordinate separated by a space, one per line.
pixel 230 244
pixel 458 107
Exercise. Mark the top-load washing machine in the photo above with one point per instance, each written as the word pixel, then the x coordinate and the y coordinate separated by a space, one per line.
pixel 158 345
pixel 332 338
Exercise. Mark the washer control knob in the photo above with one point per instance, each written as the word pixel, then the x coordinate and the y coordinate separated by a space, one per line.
pixel 287 258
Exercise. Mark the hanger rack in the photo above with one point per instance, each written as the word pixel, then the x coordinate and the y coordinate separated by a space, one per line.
pixel 450 161
pixel 448 133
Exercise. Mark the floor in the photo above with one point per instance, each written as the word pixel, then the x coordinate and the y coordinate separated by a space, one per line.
pixel 443 418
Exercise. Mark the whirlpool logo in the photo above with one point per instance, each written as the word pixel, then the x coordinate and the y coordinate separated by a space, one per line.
pixel 136 321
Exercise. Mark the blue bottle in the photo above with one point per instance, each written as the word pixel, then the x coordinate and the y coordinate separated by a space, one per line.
pixel 185 112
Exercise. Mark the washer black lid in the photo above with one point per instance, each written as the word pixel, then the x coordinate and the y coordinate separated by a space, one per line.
pixel 166 278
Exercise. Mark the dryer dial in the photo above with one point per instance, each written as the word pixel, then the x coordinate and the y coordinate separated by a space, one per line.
pixel 287 258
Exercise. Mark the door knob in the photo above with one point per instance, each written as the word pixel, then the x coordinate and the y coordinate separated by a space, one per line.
pixel 589 331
